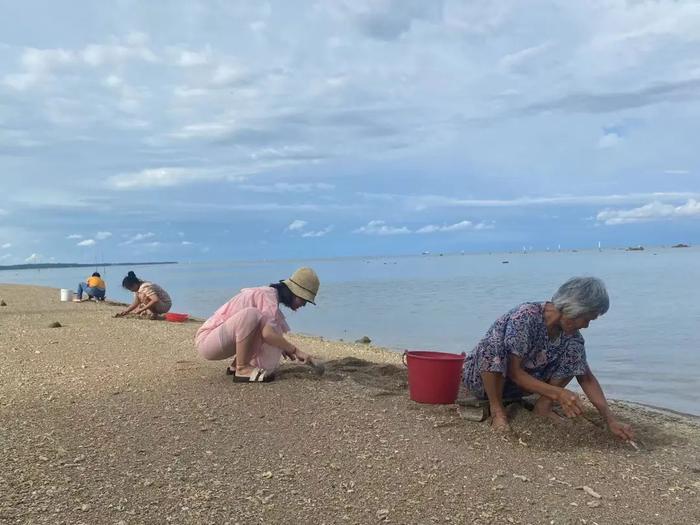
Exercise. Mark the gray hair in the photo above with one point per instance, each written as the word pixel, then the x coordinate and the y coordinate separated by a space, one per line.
pixel 581 296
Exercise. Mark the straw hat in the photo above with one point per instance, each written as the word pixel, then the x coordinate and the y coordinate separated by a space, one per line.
pixel 304 283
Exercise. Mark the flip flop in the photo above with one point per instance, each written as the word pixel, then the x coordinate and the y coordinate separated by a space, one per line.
pixel 229 370
pixel 257 376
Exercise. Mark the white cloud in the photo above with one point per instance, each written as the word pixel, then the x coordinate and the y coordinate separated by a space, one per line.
pixel 519 59
pixel 609 140
pixel 40 65
pixel 285 187
pixel 33 258
pixel 377 227
pixel 139 237
pixel 297 225
pixel 157 178
pixel 226 74
pixel 653 211
pixel 74 236
pixel 133 47
pixel 318 233
pixel 677 172
pixel 101 236
pixel 459 226
pixel 37 66
pixel 86 242
pixel 424 202
pixel 186 243
pixel 6 246
pixel 188 58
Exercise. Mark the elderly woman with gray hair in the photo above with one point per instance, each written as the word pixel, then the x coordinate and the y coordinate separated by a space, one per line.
pixel 537 347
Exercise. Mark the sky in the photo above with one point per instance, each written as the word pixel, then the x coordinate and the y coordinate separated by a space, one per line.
pixel 196 130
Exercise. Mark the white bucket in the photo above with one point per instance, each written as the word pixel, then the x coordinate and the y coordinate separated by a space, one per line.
pixel 66 294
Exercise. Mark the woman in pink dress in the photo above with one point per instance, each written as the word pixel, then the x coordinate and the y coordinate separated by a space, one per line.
pixel 250 328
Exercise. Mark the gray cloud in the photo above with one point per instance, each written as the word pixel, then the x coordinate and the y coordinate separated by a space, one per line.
pixel 679 91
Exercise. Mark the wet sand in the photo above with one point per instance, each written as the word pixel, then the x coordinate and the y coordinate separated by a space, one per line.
pixel 117 421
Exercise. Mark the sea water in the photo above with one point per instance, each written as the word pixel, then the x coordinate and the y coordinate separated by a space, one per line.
pixel 645 349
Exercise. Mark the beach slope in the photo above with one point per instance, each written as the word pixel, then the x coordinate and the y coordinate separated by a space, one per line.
pixel 117 421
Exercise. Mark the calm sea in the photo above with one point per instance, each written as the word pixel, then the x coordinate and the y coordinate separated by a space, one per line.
pixel 645 349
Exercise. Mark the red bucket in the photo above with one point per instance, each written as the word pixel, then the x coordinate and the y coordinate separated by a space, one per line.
pixel 176 318
pixel 433 377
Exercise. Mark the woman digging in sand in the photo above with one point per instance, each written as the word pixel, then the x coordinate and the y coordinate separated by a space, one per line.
pixel 149 298
pixel 537 347
pixel 250 328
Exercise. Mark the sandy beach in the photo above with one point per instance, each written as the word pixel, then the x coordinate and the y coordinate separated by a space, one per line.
pixel 117 421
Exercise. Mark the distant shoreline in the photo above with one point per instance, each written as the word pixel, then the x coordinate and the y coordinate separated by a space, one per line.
pixel 53 266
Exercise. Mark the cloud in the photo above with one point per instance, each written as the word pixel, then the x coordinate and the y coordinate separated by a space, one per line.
pixel 3 212
pixel 654 211
pixel 39 65
pixel 6 246
pixel 677 172
pixel 159 178
pixel 186 243
pixel 318 233
pixel 459 226
pixel 138 238
pixel 609 139
pixel 87 242
pixel 74 236
pixel 297 225
pixel 285 187
pixel 33 258
pixel 611 101
pixel 377 227
pixel 424 202
pixel 187 58
pixel 134 46
pixel 387 19
pixel 101 236
pixel 5 257
pixel 518 60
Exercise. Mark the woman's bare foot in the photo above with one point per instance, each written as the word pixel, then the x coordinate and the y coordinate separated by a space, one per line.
pixel 244 371
pixel 499 422
pixel 545 410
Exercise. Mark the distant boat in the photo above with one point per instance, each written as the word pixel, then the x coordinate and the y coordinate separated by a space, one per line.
pixel 425 253
pixel 639 248
pixel 599 247
pixel 680 245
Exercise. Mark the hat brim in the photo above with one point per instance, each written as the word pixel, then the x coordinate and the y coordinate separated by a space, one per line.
pixel 300 292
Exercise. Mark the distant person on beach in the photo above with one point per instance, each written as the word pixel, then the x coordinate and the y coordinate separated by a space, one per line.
pixel 94 287
pixel 149 298
pixel 250 328
pixel 537 348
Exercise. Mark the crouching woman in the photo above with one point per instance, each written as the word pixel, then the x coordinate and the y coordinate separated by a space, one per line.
pixel 250 328
pixel 538 348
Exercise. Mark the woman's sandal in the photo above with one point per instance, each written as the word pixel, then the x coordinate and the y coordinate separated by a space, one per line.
pixel 231 369
pixel 258 375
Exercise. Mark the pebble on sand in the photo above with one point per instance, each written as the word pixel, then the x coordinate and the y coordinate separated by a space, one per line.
pixel 3 303
pixel 55 324
pixel 364 340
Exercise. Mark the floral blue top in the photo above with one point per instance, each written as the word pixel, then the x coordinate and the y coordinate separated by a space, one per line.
pixel 523 332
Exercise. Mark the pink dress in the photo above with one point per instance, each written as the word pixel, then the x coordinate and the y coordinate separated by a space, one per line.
pixel 251 308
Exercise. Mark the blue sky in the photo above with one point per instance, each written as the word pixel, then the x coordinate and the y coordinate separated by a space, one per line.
pixel 212 130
